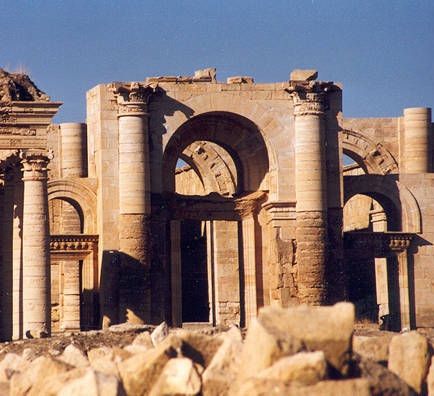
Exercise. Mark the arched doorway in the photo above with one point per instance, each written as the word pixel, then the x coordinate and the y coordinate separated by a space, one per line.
pixel 211 165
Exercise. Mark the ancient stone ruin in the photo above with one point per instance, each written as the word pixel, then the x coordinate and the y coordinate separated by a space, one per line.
pixel 186 199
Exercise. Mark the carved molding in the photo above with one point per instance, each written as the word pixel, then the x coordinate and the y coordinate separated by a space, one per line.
pixel 78 242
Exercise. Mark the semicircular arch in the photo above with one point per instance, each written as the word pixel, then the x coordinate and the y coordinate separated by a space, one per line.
pixel 373 157
pixel 238 136
pixel 385 190
pixel 78 194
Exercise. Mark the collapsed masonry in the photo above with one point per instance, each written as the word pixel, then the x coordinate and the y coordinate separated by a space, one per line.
pixel 186 199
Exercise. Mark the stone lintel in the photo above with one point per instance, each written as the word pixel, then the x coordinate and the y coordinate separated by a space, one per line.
pixel 28 114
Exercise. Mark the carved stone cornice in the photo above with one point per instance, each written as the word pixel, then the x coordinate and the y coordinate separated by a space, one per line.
pixel 132 99
pixel 309 97
pixel 78 242
pixel 379 244
pixel 35 164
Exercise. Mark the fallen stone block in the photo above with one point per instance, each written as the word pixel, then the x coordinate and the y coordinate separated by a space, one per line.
pixel 92 383
pixel 36 371
pixel 179 377
pixel 409 358
pixel 374 348
pixel 222 371
pixel 327 329
pixel 430 378
pixel 11 364
pixel 50 385
pixel 159 333
pixel 74 356
pixel 304 368
pixel 140 372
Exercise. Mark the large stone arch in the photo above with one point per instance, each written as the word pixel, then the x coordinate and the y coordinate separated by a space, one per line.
pixel 239 136
pixel 384 189
pixel 214 167
pixel 79 194
pixel 373 157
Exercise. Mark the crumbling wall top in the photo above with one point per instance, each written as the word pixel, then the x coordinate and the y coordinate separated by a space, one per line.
pixel 19 87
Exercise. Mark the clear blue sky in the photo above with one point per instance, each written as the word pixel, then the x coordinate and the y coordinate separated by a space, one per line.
pixel 382 51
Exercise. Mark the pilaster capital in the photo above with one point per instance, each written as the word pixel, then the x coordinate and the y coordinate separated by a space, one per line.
pixel 309 97
pixel 35 164
pixel 132 99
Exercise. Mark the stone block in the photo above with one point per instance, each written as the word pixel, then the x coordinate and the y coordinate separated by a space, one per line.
pixel 140 372
pixel 74 356
pixel 50 385
pixel 180 376
pixel 303 75
pixel 222 371
pixel 304 368
pixel 430 378
pixel 409 358
pixel 159 333
pixel 92 383
pixel 35 372
pixel 375 348
pixel 10 364
pixel 327 329
pixel 201 348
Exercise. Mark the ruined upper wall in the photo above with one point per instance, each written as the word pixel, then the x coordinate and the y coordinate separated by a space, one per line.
pixel 19 87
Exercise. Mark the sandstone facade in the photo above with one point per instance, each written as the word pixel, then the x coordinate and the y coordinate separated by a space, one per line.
pixel 186 199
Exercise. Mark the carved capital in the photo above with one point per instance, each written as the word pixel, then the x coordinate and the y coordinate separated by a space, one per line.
pixel 132 99
pixel 35 164
pixel 308 104
pixel 310 97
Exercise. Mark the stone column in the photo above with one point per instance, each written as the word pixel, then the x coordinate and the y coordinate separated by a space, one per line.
pixel 416 150
pixel 311 190
pixel 175 273
pixel 249 261
pixel 74 151
pixel 36 251
pixel 134 203
pixel 71 295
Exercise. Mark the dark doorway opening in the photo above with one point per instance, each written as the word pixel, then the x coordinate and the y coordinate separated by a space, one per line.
pixel 195 299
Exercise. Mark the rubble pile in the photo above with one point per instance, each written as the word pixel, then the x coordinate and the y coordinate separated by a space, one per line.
pixel 286 351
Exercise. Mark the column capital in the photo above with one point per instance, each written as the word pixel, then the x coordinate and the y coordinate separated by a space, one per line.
pixel 35 164
pixel 309 97
pixel 132 99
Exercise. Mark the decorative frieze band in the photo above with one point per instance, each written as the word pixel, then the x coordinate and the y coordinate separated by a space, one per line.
pixel 73 242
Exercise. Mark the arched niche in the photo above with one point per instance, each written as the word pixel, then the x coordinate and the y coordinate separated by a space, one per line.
pixel 238 136
pixel 81 196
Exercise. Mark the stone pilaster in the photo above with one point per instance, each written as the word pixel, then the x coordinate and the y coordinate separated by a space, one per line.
pixel 71 295
pixel 134 203
pixel 311 193
pixel 36 252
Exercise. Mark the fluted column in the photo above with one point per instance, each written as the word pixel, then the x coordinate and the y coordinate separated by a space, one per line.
pixel 36 253
pixel 134 203
pixel 311 190
pixel 416 155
